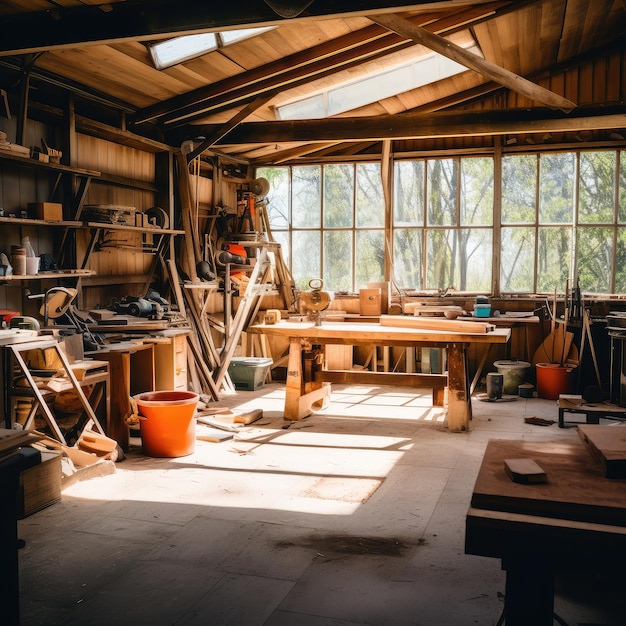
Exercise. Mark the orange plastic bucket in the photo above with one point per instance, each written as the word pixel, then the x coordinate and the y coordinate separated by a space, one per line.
pixel 554 379
pixel 167 424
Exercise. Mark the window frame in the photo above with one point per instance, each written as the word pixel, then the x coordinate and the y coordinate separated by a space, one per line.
pixel 613 240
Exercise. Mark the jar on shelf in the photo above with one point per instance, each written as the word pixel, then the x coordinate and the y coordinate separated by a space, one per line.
pixel 18 260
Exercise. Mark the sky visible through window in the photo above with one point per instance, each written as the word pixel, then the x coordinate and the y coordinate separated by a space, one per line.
pixel 422 70
pixel 426 68
pixel 173 51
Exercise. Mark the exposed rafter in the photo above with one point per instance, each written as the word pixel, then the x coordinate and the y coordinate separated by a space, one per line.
pixel 464 57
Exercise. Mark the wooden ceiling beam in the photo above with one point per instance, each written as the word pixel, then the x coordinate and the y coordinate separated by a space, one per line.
pixel 435 125
pixel 487 69
pixel 148 20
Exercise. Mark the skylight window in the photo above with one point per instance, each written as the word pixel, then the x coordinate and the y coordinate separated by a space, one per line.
pixel 424 70
pixel 180 49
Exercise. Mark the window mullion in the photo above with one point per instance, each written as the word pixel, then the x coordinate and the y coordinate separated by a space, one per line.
pixel 497 220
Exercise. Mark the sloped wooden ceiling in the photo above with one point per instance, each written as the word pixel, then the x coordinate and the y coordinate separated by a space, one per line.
pixel 228 97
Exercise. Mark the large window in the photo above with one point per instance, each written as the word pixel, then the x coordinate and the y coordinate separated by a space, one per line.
pixel 330 222
pixel 558 215
pixel 561 219
pixel 442 224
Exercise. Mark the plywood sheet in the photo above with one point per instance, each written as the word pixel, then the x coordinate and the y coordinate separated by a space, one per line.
pixel 576 488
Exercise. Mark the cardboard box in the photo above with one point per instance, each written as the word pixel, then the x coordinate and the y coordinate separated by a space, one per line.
pixel 49 211
pixel 40 486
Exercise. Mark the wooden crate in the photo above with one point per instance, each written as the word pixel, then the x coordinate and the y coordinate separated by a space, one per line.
pixel 40 486
pixel 370 301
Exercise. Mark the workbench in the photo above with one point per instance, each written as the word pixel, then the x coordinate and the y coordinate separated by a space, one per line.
pixel 592 411
pixel 305 376
pixel 574 522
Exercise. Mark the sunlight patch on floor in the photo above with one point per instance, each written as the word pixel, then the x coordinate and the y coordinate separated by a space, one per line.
pixel 356 490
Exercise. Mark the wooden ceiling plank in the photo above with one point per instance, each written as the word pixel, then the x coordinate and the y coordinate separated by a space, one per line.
pixel 334 55
pixel 572 29
pixel 318 54
pixel 593 25
pixel 489 70
pixel 552 15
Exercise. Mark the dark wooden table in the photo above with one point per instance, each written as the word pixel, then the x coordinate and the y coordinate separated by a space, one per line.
pixel 577 521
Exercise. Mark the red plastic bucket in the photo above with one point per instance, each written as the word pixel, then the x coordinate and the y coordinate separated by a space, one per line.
pixel 554 379
pixel 168 427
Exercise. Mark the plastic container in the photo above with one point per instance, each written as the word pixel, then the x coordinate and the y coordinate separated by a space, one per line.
pixel 32 265
pixel 554 379
pixel 248 373
pixel 526 390
pixel 482 310
pixel 167 424
pixel 29 250
pixel 514 374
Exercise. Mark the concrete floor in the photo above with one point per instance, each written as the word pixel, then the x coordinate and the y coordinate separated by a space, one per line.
pixel 354 515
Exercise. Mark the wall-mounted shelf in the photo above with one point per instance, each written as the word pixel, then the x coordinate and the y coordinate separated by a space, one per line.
pixel 26 221
pixel 54 167
pixel 84 176
pixel 139 229
pixel 48 275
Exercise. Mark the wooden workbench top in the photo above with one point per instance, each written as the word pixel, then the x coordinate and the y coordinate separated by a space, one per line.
pixel 341 332
pixel 576 489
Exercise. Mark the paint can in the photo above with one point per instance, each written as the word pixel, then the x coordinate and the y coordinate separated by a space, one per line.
pixel 495 382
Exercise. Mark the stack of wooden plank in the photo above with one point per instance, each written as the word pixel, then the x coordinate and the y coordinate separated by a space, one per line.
pixel 437 323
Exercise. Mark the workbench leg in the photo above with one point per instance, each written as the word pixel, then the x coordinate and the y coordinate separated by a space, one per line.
pixel 119 372
pixel 529 595
pixel 459 400
pixel 303 394
pixel 294 383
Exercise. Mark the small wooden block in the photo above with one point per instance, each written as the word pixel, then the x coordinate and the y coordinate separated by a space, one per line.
pixel 607 444
pixel 212 435
pixel 525 471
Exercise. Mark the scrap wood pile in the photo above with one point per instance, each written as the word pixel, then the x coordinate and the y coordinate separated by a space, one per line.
pixel 195 281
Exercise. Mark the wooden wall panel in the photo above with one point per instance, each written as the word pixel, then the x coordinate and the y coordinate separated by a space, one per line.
pixel 614 88
pixel 120 253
